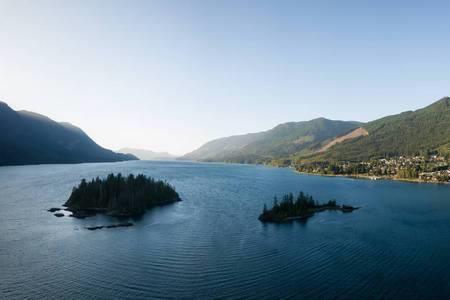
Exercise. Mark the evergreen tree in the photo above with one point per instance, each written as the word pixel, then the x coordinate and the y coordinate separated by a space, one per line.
pixel 130 195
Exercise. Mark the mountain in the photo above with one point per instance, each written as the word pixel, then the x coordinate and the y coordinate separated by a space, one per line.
pixel 282 141
pixel 148 154
pixel 223 148
pixel 408 133
pixel 31 138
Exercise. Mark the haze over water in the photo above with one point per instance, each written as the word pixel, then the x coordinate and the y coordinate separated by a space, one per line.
pixel 212 245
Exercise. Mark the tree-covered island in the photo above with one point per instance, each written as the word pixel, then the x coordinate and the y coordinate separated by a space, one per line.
pixel 297 208
pixel 119 196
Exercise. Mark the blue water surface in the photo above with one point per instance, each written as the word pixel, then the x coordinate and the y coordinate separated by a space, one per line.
pixel 211 245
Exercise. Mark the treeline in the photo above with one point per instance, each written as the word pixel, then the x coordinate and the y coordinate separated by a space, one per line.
pixel 333 168
pixel 291 206
pixel 406 134
pixel 400 167
pixel 120 195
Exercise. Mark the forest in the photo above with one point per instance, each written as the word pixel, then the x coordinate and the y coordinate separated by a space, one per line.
pixel 120 196
pixel 296 208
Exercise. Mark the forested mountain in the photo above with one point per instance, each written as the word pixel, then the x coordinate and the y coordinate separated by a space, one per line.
pixel 282 141
pixel 408 133
pixel 223 148
pixel 30 138
pixel 148 154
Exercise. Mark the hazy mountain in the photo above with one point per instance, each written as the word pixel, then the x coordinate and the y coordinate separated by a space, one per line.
pixel 282 141
pixel 222 148
pixel 31 138
pixel 148 154
pixel 408 133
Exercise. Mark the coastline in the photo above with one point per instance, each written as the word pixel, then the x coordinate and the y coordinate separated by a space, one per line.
pixel 374 178
pixel 359 176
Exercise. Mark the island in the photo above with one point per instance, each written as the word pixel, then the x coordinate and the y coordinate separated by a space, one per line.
pixel 299 208
pixel 119 196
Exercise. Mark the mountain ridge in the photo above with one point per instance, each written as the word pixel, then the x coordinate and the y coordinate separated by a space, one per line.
pixel 280 141
pixel 407 133
pixel 145 154
pixel 32 138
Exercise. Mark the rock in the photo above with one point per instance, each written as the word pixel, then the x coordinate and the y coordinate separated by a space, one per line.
pixel 53 209
pixel 59 215
pixel 94 227
pixel 110 226
pixel 348 208
pixel 120 225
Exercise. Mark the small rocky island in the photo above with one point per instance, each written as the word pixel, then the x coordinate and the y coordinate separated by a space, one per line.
pixel 119 196
pixel 299 208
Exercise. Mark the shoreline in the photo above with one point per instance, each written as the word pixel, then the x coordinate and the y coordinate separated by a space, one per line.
pixel 373 178
pixel 360 176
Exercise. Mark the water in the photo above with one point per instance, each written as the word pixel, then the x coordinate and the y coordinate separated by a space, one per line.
pixel 211 245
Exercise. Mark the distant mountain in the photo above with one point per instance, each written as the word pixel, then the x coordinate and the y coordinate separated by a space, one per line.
pixel 148 154
pixel 282 141
pixel 408 133
pixel 31 138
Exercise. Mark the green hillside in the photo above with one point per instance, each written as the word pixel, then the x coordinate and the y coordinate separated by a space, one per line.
pixel 408 133
pixel 282 141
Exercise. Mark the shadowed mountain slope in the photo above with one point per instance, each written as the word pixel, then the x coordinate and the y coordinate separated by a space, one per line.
pixel 31 138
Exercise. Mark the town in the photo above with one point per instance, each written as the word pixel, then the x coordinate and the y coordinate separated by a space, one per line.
pixel 429 168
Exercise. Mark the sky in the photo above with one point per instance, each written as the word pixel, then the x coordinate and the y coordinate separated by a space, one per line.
pixel 172 75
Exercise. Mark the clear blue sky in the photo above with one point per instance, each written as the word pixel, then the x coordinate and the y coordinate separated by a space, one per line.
pixel 171 75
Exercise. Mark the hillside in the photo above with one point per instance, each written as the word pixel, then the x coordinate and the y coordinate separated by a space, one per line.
pixel 144 154
pixel 349 136
pixel 282 141
pixel 223 148
pixel 30 138
pixel 408 133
